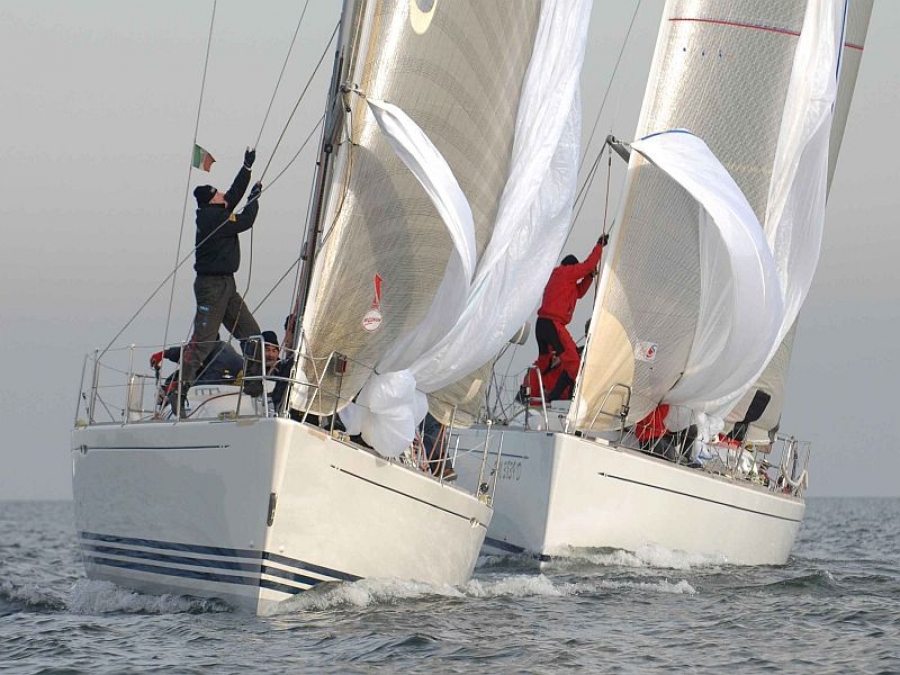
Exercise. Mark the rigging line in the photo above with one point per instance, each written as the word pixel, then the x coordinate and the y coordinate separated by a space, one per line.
pixel 188 256
pixel 173 273
pixel 250 262
pixel 296 154
pixel 281 136
pixel 187 186
pixel 605 215
pixel 163 283
pixel 296 262
pixel 277 283
pixel 302 94
pixel 586 184
pixel 286 124
pixel 609 86
pixel 582 195
pixel 344 192
pixel 305 228
pixel 281 74
pixel 608 176
pixel 292 321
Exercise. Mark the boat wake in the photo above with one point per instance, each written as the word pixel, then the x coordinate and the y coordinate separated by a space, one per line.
pixel 650 556
pixel 103 597
pixel 541 585
pixel 370 592
pixel 17 598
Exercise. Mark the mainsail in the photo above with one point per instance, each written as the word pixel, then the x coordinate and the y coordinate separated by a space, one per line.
pixel 772 382
pixel 757 82
pixel 452 122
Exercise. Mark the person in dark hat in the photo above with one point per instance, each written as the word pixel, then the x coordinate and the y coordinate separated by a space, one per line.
pixel 567 284
pixel 271 350
pixel 217 258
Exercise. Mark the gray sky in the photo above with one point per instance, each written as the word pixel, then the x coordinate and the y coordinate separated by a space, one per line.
pixel 99 103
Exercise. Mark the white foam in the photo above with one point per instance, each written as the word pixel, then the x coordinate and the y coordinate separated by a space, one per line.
pixel 30 595
pixel 103 597
pixel 648 556
pixel 364 593
pixel 540 585
pixel 659 557
pixel 517 586
pixel 661 586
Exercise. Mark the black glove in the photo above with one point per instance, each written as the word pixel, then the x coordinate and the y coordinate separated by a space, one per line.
pixel 255 191
pixel 604 239
pixel 249 158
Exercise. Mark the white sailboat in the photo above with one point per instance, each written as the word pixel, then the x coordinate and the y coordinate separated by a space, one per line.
pixel 431 121
pixel 700 290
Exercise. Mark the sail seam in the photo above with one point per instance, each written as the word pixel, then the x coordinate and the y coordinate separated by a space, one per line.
pixel 738 24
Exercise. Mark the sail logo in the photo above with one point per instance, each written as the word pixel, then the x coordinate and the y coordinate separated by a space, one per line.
pixel 371 321
pixel 645 351
pixel 421 12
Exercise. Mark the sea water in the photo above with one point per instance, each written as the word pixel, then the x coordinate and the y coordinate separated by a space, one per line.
pixel 834 608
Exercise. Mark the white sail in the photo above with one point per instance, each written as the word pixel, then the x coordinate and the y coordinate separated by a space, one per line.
pixel 740 307
pixel 493 91
pixel 757 82
pixel 385 247
pixel 773 380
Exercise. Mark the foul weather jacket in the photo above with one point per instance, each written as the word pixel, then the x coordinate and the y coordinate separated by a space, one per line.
pixel 567 284
pixel 218 249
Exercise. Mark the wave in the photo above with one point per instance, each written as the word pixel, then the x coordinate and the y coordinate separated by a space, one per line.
pixel 650 556
pixel 104 597
pixel 541 585
pixel 816 581
pixel 28 597
pixel 368 592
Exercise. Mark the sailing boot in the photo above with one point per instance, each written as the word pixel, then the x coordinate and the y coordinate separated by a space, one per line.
pixel 178 405
pixel 562 383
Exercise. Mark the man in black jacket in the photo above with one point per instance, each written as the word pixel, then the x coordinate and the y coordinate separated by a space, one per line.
pixel 218 256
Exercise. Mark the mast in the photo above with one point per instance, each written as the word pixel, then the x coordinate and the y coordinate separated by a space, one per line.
pixel 333 127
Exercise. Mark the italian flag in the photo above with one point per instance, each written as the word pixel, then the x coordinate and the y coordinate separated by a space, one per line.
pixel 202 159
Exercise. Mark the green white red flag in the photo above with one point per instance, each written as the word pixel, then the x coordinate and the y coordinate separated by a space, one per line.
pixel 202 159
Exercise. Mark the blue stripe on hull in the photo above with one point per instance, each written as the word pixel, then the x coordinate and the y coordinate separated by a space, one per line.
pixel 211 569
pixel 506 547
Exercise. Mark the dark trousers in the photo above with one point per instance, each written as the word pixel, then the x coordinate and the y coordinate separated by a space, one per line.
pixel 554 335
pixel 218 304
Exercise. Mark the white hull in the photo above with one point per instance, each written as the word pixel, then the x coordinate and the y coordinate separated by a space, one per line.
pixel 558 492
pixel 184 508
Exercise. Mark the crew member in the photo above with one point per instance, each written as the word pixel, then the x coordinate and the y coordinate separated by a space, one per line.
pixel 218 257
pixel 568 283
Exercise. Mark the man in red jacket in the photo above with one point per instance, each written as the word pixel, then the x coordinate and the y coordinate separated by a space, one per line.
pixel 568 283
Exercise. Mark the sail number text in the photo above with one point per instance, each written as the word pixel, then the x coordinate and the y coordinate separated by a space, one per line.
pixel 510 469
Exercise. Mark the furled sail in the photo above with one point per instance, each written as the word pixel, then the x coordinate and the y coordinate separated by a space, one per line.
pixel 445 99
pixel 757 82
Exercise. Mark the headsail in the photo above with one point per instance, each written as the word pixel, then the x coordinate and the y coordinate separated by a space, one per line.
pixel 461 73
pixel 756 82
